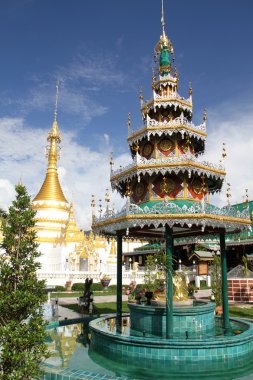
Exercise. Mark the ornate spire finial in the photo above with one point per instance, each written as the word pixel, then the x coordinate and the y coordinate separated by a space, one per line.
pixel 100 208
pixel 93 204
pixel 175 72
pixel 141 95
pixel 224 152
pixel 162 20
pixel 190 89
pixel 246 196
pixel 128 191
pixel 111 160
pixel 56 100
pixel 153 76
pixel 228 194
pixel 203 185
pixel 204 115
pixel 107 199
pixel 129 123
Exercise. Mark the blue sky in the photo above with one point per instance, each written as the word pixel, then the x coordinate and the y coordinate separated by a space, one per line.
pixel 102 51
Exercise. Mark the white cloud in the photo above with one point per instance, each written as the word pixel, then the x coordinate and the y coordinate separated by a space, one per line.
pixel 233 125
pixel 82 171
pixel 7 193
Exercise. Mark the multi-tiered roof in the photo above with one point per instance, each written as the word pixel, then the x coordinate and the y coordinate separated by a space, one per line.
pixel 168 182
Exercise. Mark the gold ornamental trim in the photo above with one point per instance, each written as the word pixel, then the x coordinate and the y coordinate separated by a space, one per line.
pixel 51 221
pixel 166 127
pixel 168 165
pixel 47 205
pixel 60 229
pixel 222 218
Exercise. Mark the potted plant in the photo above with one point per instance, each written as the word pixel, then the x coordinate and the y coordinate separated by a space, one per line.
pixel 144 300
pixel 105 281
pixel 150 278
pixel 136 294
pixel 191 289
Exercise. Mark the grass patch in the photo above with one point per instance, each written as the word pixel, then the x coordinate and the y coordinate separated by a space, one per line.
pixel 79 294
pixel 241 312
pixel 100 308
pixel 65 295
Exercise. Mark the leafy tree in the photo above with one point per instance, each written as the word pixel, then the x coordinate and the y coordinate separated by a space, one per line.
pixel 246 268
pixel 216 280
pixel 22 329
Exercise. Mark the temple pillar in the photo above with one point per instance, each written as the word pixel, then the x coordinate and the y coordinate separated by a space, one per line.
pixel 226 323
pixel 169 303
pixel 119 284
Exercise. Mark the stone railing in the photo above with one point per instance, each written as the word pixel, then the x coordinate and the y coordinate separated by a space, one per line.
pixel 53 278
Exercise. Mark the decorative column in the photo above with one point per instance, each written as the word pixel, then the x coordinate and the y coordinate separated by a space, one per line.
pixel 119 283
pixel 226 323
pixel 169 303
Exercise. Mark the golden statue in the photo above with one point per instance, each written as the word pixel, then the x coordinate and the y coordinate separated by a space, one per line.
pixel 180 289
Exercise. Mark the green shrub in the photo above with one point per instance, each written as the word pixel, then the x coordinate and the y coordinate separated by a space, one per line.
pixel 78 287
pixel 59 288
pixel 97 287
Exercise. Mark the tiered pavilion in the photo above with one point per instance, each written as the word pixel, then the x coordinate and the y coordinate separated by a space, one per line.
pixel 168 184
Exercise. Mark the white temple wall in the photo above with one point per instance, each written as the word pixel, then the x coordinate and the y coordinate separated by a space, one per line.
pixel 52 257
pixel 52 214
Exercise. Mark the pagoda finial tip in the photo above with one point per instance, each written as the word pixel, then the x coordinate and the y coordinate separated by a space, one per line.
pixel 163 20
pixel 56 100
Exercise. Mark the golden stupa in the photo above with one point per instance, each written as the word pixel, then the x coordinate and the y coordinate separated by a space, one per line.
pixel 50 203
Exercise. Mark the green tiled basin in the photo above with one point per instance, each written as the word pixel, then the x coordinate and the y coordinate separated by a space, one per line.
pixel 191 321
pixel 157 351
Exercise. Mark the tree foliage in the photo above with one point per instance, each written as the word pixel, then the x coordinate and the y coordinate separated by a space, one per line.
pixel 22 329
pixel 216 280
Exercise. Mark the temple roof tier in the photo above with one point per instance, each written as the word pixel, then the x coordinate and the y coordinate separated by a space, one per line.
pixel 179 125
pixel 174 100
pixel 190 218
pixel 165 81
pixel 186 163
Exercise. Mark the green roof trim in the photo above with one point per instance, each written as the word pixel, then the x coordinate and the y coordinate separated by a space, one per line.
pixel 148 247
pixel 178 202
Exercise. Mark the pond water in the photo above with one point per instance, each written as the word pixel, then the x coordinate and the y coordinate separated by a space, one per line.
pixel 70 348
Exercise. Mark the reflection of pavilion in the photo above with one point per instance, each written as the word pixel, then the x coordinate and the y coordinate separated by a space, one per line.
pixel 167 185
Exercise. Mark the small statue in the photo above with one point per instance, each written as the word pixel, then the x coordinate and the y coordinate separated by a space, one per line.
pixel 180 289
pixel 86 299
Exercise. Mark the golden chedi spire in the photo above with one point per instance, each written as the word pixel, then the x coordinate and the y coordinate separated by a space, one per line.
pixel 73 234
pixel 51 188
